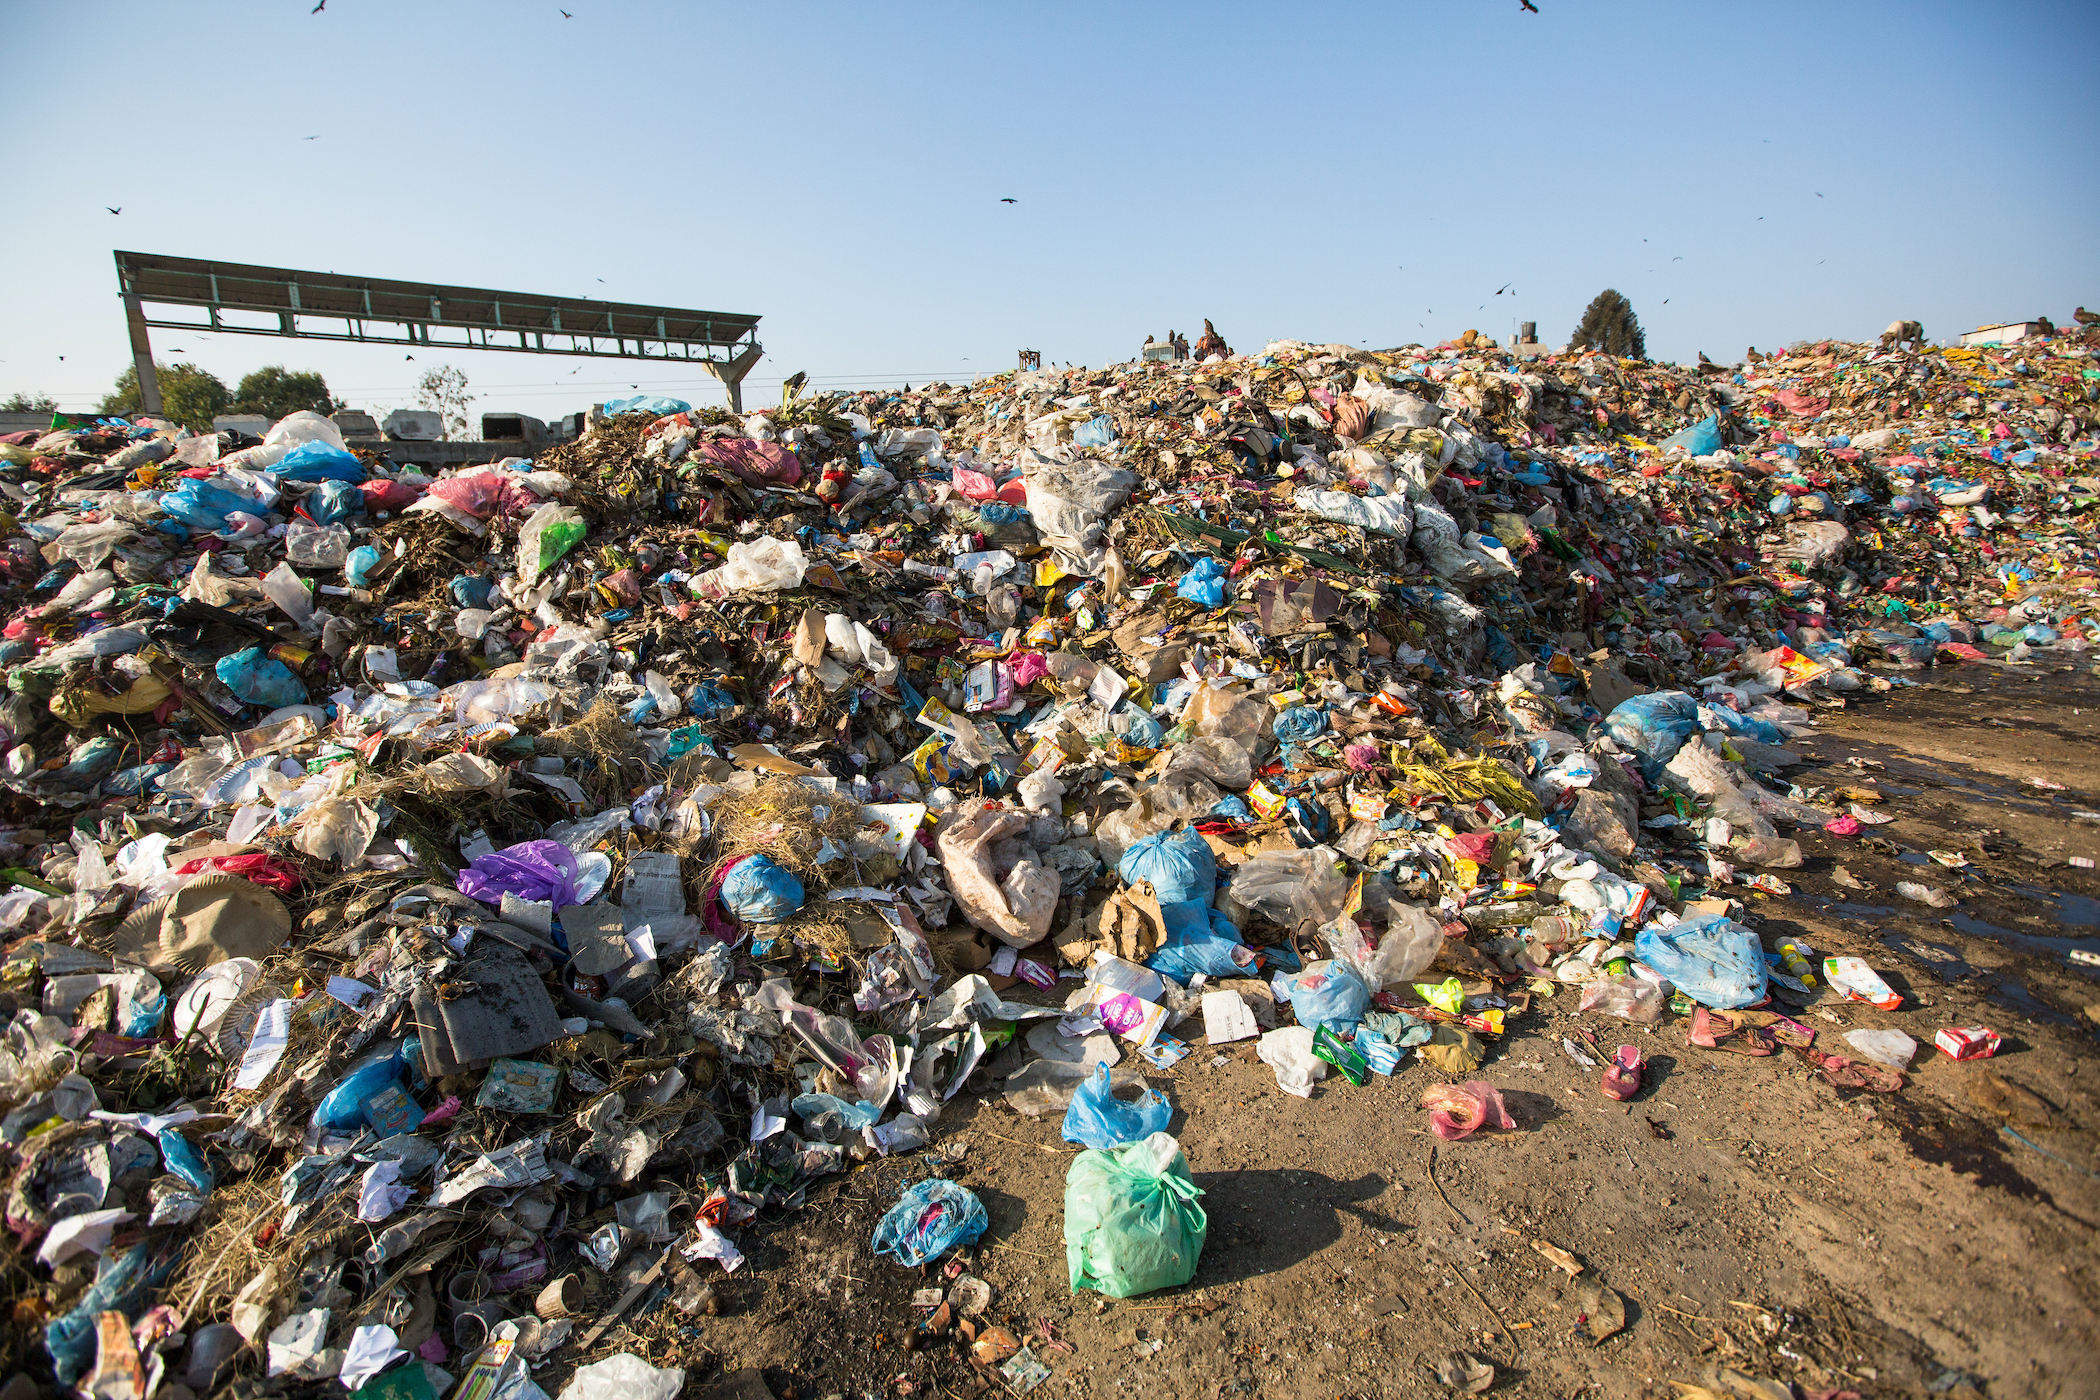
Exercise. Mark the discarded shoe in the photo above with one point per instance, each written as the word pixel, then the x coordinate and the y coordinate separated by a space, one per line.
pixel 1622 1078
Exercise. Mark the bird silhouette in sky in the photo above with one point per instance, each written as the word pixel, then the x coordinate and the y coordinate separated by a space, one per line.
pixel 1819 194
pixel 1505 287
pixel 313 138
pixel 318 8
pixel 178 350
pixel 1529 8
pixel 1007 201
pixel 113 211
pixel 564 14
pixel 408 357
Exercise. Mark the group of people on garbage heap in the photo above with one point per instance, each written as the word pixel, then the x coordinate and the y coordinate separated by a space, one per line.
pixel 426 897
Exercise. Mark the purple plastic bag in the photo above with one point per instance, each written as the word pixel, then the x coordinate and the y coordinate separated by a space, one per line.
pixel 539 870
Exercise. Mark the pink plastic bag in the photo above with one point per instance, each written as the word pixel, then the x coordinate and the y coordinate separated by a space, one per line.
pixel 974 485
pixel 1457 1110
pixel 381 494
pixel 1027 667
pixel 484 494
pixel 756 463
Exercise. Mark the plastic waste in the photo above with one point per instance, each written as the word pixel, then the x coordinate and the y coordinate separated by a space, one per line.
pixel 1711 959
pixel 1654 726
pixel 1457 1111
pixel 624 1376
pixel 1132 1222
pixel 1178 862
pixel 1204 584
pixel 1627 997
pixel 260 680
pixel 1329 993
pixel 931 1218
pixel 1884 1047
pixel 757 891
pixel 1098 1119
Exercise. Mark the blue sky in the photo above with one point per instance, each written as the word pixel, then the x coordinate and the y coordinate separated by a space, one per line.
pixel 1368 173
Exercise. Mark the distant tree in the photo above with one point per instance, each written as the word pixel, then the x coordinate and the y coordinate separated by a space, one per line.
pixel 188 395
pixel 1610 325
pixel 444 391
pixel 275 391
pixel 26 403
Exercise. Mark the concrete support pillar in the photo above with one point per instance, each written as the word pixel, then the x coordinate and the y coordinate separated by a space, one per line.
pixel 142 356
pixel 732 372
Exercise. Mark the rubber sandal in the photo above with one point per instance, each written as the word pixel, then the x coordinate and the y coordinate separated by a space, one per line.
pixel 1623 1079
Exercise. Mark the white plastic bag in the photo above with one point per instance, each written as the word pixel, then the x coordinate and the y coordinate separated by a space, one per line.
pixel 764 563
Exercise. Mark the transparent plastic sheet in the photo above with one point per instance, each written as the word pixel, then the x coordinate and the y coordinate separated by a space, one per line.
pixel 1289 888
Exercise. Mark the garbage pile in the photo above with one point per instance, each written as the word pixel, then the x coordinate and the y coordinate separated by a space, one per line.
pixel 438 909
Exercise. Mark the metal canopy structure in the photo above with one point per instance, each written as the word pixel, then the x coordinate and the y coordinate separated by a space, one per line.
pixel 377 311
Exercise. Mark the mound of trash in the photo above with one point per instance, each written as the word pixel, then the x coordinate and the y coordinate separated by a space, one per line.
pixel 431 904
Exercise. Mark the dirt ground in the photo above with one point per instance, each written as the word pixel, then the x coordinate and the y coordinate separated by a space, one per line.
pixel 1934 1241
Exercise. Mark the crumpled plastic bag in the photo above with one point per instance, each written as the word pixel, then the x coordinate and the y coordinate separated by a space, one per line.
pixel 1655 725
pixel 1711 959
pixel 1288 888
pixel 757 891
pixel 624 1377
pixel 543 871
pixel 754 463
pixel 1329 993
pixel 551 532
pixel 1015 906
pixel 931 1218
pixel 1132 1224
pixel 1457 1111
pixel 1100 1120
pixel 1070 503
pixel 1204 584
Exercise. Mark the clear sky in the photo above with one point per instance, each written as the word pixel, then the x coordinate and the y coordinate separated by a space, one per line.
pixel 1367 173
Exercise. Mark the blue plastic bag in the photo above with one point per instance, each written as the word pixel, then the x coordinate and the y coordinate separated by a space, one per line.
pixel 1749 726
pixel 1098 431
pixel 357 569
pixel 343 1107
pixel 707 699
pixel 930 1219
pixel 333 502
pixel 1330 994
pixel 760 892
pixel 1300 724
pixel 657 404
pixel 257 679
pixel 1100 1120
pixel 1177 862
pixel 1711 959
pixel 1138 728
pixel 202 506
pixel 319 461
pixel 1199 940
pixel 1654 726
pixel 472 590
pixel 1702 439
pixel 1204 585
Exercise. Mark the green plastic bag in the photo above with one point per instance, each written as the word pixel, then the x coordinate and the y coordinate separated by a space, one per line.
pixel 551 533
pixel 1131 1219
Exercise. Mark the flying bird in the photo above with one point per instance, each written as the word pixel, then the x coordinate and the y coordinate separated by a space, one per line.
pixel 113 211
pixel 313 138
pixel 1819 194
pixel 318 8
pixel 1529 8
pixel 564 14
pixel 408 357
pixel 1505 287
pixel 1007 201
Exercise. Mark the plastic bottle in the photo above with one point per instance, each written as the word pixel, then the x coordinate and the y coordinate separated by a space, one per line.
pixel 1797 964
